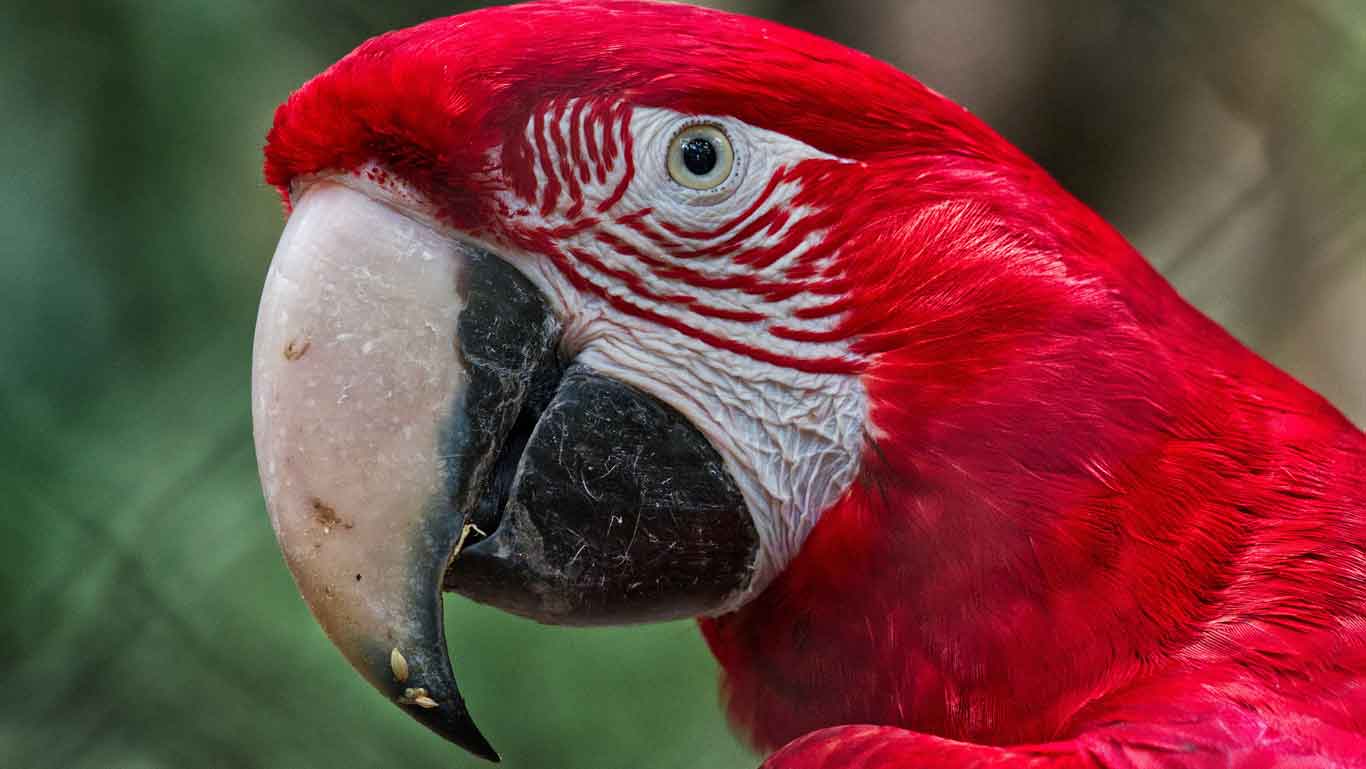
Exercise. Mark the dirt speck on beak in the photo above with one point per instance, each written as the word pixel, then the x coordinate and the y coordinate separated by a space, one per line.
pixel 326 516
pixel 295 349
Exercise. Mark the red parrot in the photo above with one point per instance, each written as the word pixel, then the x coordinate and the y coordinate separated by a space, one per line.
pixel 612 311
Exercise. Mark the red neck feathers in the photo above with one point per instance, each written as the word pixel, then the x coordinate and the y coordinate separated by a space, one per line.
pixel 1074 483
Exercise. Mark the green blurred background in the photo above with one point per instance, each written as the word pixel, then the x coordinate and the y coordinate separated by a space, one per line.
pixel 147 619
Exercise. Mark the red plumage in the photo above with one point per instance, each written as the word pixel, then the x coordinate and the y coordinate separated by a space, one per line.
pixel 1087 519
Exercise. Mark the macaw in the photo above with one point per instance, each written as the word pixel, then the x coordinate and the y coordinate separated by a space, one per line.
pixel 611 312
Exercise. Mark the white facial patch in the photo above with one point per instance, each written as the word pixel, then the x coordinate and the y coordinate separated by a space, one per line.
pixel 706 299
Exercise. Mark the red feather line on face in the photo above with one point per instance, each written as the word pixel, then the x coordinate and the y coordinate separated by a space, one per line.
pixel 711 255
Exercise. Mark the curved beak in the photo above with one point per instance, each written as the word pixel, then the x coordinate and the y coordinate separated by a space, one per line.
pixel 356 374
pixel 415 428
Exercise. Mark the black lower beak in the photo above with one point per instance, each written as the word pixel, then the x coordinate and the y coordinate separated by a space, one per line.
pixel 617 511
pixel 416 429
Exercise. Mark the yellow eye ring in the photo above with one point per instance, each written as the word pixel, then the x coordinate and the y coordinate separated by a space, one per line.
pixel 700 157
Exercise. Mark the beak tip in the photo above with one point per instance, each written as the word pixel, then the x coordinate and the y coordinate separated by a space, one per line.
pixel 423 686
pixel 488 754
pixel 465 734
pixel 470 738
pixel 452 722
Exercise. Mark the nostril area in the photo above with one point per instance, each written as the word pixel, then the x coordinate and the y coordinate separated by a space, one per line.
pixel 507 339
pixel 488 511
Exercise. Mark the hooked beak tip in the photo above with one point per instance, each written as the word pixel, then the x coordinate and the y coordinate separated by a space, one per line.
pixel 452 721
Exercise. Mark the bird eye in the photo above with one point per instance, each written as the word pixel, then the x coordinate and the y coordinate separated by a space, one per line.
pixel 700 157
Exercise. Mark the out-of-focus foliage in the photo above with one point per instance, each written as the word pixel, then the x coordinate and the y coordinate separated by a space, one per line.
pixel 148 620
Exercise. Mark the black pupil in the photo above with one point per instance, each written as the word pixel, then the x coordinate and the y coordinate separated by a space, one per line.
pixel 699 155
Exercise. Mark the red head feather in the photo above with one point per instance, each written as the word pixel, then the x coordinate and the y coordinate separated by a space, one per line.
pixel 431 99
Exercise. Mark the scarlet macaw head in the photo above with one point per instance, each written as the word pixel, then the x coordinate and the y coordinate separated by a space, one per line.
pixel 591 311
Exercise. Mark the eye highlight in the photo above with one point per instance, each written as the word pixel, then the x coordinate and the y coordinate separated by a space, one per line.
pixel 700 157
